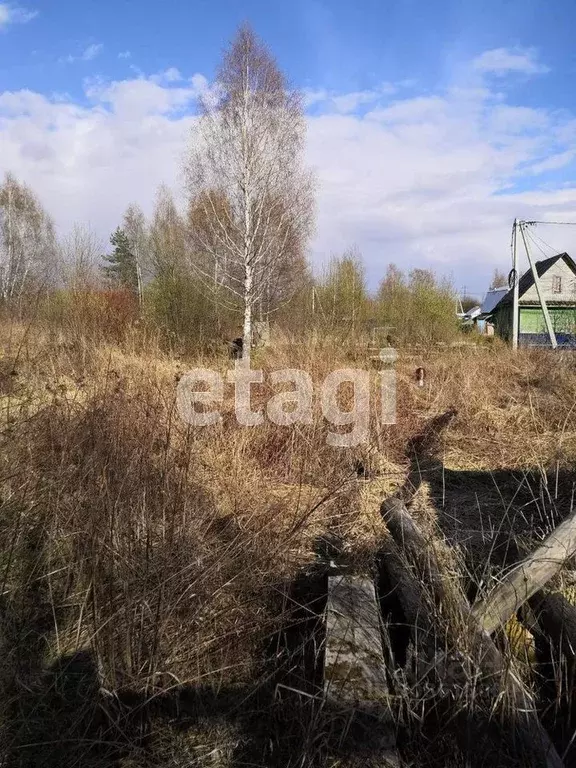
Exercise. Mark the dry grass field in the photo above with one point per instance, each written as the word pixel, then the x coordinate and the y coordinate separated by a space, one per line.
pixel 156 579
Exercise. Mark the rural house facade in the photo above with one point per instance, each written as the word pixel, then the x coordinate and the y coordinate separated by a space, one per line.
pixel 558 285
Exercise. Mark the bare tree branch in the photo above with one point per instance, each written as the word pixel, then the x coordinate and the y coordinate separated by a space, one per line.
pixel 251 200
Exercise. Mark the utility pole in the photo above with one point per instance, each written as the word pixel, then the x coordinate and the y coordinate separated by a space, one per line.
pixel 463 293
pixel 516 291
pixel 541 299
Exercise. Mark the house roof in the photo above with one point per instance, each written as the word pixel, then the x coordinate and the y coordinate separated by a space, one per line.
pixel 504 296
pixel 468 317
pixel 493 297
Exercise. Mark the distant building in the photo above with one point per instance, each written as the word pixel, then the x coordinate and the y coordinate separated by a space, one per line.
pixel 470 315
pixel 558 285
pixel 469 319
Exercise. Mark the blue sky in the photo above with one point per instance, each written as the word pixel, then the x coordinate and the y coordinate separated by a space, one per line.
pixel 431 125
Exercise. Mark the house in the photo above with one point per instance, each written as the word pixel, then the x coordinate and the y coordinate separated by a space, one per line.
pixel 470 316
pixel 469 319
pixel 558 286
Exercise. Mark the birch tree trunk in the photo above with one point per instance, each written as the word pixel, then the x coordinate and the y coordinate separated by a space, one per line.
pixel 134 225
pixel 247 328
pixel 27 242
pixel 250 199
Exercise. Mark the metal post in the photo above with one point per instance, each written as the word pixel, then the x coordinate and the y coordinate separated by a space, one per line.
pixel 516 292
pixel 541 298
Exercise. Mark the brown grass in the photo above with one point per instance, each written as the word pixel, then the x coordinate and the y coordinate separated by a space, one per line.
pixel 152 561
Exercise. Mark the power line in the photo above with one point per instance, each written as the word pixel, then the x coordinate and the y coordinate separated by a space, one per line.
pixel 534 237
pixel 555 223
pixel 541 239
pixel 512 236
pixel 535 242
pixel 467 291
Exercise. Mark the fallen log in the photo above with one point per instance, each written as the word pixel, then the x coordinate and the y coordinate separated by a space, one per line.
pixel 527 578
pixel 398 580
pixel 556 624
pixel 557 620
pixel 485 655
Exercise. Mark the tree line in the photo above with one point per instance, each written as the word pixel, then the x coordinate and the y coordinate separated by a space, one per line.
pixel 233 256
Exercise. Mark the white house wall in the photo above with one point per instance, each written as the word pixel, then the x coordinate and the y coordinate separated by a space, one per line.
pixel 568 294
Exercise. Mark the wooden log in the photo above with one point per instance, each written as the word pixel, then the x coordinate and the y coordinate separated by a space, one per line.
pixel 484 652
pixel 557 620
pixel 399 577
pixel 354 669
pixel 527 578
pixel 419 550
pixel 555 633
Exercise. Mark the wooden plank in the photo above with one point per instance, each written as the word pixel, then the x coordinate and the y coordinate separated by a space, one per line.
pixel 527 578
pixel 485 654
pixel 354 668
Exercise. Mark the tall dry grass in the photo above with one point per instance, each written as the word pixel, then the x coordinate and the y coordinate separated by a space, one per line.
pixel 144 561
pixel 156 550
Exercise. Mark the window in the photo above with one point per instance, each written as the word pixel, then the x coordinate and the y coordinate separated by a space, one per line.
pixel 556 284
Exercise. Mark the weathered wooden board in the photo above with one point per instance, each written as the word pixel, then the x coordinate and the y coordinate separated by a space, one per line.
pixel 527 578
pixel 354 668
pixel 419 549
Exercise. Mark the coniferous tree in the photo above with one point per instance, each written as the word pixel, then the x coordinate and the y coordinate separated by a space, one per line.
pixel 122 268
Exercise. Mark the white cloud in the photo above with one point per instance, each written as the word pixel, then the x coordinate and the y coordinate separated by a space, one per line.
pixel 88 54
pixel 431 181
pixel 13 14
pixel 350 102
pixel 132 100
pixel 92 51
pixel 501 61
pixel 426 180
pixel 312 96
pixel 171 75
pixel 124 55
pixel 554 162
pixel 518 120
pixel 87 164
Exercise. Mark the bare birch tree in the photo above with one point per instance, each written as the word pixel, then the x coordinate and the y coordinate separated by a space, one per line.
pixel 134 225
pixel 27 241
pixel 499 280
pixel 80 255
pixel 252 199
pixel 167 241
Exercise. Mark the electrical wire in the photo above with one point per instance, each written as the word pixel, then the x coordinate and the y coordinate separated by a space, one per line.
pixel 533 235
pixel 555 223
pixel 534 241
pixel 512 238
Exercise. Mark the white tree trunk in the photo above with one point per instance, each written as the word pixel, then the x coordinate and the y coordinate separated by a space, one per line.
pixel 247 330
pixel 139 281
pixel 250 198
